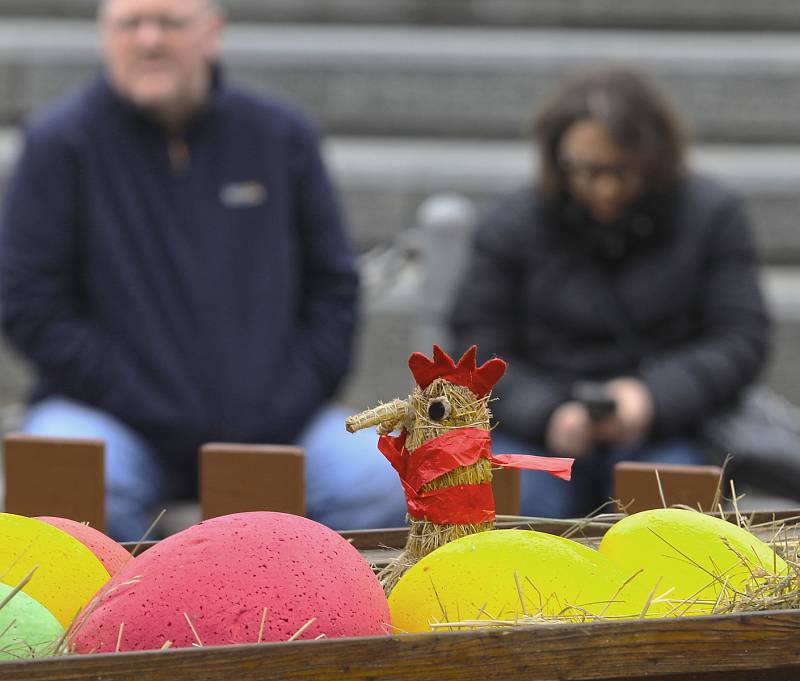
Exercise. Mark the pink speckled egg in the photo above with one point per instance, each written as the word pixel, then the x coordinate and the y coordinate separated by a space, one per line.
pixel 212 583
pixel 111 554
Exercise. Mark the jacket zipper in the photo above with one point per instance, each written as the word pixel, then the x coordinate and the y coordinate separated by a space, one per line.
pixel 178 153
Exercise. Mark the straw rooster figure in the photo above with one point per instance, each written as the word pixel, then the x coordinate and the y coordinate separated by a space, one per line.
pixel 443 452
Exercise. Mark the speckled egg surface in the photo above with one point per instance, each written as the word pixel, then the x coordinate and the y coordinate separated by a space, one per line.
pixel 212 583
pixel 111 554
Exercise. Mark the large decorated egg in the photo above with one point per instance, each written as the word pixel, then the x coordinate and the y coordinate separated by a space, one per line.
pixel 67 573
pixel 691 556
pixel 27 628
pixel 111 554
pixel 504 575
pixel 238 579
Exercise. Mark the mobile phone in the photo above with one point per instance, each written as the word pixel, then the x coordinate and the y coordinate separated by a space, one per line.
pixel 594 397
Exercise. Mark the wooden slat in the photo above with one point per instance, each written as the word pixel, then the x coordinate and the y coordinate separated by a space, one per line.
pixel 506 487
pixel 235 478
pixel 636 486
pixel 55 476
pixel 752 647
pixel 395 538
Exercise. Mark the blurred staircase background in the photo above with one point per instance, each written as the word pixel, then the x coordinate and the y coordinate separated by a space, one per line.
pixel 418 97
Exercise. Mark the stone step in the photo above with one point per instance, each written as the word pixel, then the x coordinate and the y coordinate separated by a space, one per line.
pixel 710 14
pixel 385 180
pixel 455 82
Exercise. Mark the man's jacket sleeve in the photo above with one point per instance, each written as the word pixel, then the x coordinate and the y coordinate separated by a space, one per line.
pixel 329 275
pixel 43 310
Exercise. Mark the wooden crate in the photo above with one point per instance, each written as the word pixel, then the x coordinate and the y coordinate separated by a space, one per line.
pixel 750 647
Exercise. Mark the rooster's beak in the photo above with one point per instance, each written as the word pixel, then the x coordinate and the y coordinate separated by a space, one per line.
pixel 386 416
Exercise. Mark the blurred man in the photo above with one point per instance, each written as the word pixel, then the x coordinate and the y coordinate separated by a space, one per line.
pixel 175 268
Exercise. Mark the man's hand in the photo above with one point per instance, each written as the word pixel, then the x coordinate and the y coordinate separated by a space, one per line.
pixel 569 431
pixel 634 414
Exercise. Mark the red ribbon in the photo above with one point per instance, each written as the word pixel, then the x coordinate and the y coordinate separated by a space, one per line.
pixel 460 504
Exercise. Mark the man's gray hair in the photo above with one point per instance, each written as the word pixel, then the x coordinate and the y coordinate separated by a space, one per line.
pixel 214 5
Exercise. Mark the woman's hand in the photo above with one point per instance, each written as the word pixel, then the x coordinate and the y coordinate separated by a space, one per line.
pixel 569 431
pixel 633 417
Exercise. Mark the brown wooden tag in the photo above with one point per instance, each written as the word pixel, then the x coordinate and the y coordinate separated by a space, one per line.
pixel 506 488
pixel 235 478
pixel 59 477
pixel 636 485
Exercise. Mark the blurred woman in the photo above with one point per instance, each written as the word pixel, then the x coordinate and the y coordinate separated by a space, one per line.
pixel 621 288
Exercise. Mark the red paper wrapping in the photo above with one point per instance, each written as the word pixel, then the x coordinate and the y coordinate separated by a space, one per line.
pixel 458 505
pixel 461 504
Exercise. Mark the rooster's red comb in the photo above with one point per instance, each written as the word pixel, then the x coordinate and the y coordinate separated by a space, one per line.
pixel 479 380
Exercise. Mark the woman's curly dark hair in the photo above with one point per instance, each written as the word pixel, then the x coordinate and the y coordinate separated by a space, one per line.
pixel 638 118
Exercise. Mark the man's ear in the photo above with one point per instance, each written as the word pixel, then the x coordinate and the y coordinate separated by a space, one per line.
pixel 216 26
pixel 214 29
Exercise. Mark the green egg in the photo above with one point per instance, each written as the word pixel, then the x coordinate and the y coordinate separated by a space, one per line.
pixel 27 628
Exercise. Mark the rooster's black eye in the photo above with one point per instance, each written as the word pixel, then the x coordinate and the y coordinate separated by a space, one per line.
pixel 438 409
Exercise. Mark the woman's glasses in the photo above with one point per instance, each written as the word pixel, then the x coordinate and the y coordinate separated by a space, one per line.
pixel 587 172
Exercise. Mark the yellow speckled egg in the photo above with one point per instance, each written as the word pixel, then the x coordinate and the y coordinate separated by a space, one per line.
pixel 68 573
pixel 683 551
pixel 476 578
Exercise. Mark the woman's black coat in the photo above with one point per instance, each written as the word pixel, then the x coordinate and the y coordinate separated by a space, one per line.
pixel 669 295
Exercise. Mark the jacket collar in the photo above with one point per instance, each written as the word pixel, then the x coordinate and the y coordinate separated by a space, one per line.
pixel 644 227
pixel 124 107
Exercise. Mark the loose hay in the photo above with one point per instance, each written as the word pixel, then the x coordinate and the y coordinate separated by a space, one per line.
pixel 766 588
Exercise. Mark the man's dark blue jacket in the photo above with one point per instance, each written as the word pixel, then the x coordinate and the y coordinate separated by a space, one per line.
pixel 199 287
